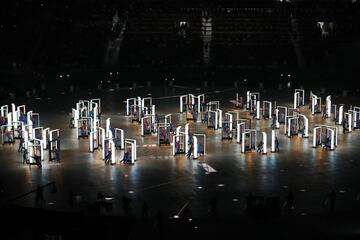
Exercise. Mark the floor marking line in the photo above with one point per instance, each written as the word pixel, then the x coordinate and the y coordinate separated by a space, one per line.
pixel 187 203
pixel 208 168
pixel 158 185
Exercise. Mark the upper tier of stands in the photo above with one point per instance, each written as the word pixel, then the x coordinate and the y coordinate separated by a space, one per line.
pixel 73 34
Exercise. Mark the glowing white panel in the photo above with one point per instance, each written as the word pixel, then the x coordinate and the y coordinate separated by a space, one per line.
pixel 243 142
pixel 314 136
pixel 238 133
pixel 264 142
pixel 183 100
pixel 13 110
pixel 195 141
pixel 273 140
pixel 153 114
pixel 341 114
pixel 167 118
pixel 174 145
pixel 216 120
pixel 219 116
pixel 328 106
pixel 45 133
pixel 306 124
pixel 332 140
pixel 349 120
pixel 186 137
pixel 248 99
pixel 10 120
pixel 112 147
pixel 102 135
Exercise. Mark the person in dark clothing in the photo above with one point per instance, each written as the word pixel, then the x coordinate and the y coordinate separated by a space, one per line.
pixel 145 211
pixel 332 197
pixel 344 126
pixel 1 186
pixel 108 157
pixel 188 219
pixel 71 123
pixel 25 154
pixel 71 198
pixel 324 115
pixel 58 139
pixel 328 143
pixel 273 125
pixel 303 131
pixel 159 220
pixel 39 199
pixel 290 201
pixel 126 158
pixel 57 154
pixel 213 206
pixel 260 146
pixel 277 145
pixel 38 161
pixel 187 213
pixel 191 149
pixel 126 205
pixel 21 144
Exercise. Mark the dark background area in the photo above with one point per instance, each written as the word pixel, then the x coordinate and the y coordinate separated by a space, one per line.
pixel 252 40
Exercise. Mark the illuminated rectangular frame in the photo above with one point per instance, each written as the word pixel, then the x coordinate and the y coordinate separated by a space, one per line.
pixel 119 133
pixel 301 93
pixel 183 101
pixel 219 115
pixel 9 128
pixel 132 142
pixel 4 110
pixel 333 139
pixel 130 102
pixel 166 126
pixel 269 104
pixel 180 136
pixel 349 121
pixel 277 115
pixel 328 106
pixel 240 128
pixel 289 119
pixel 215 120
pixel 195 140
pixel 248 132
pixel 95 101
pixel 306 124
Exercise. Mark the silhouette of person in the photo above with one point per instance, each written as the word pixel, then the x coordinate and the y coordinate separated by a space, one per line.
pixel 290 200
pixel 1 186
pixel 39 199
pixel 126 205
pixel 273 124
pixel 21 144
pixel 213 206
pixel 344 125
pixel 332 197
pixel 71 198
pixel 159 220
pixel 145 210
pixel 260 146
pixel 187 219
pixel 25 153
pixel 276 144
